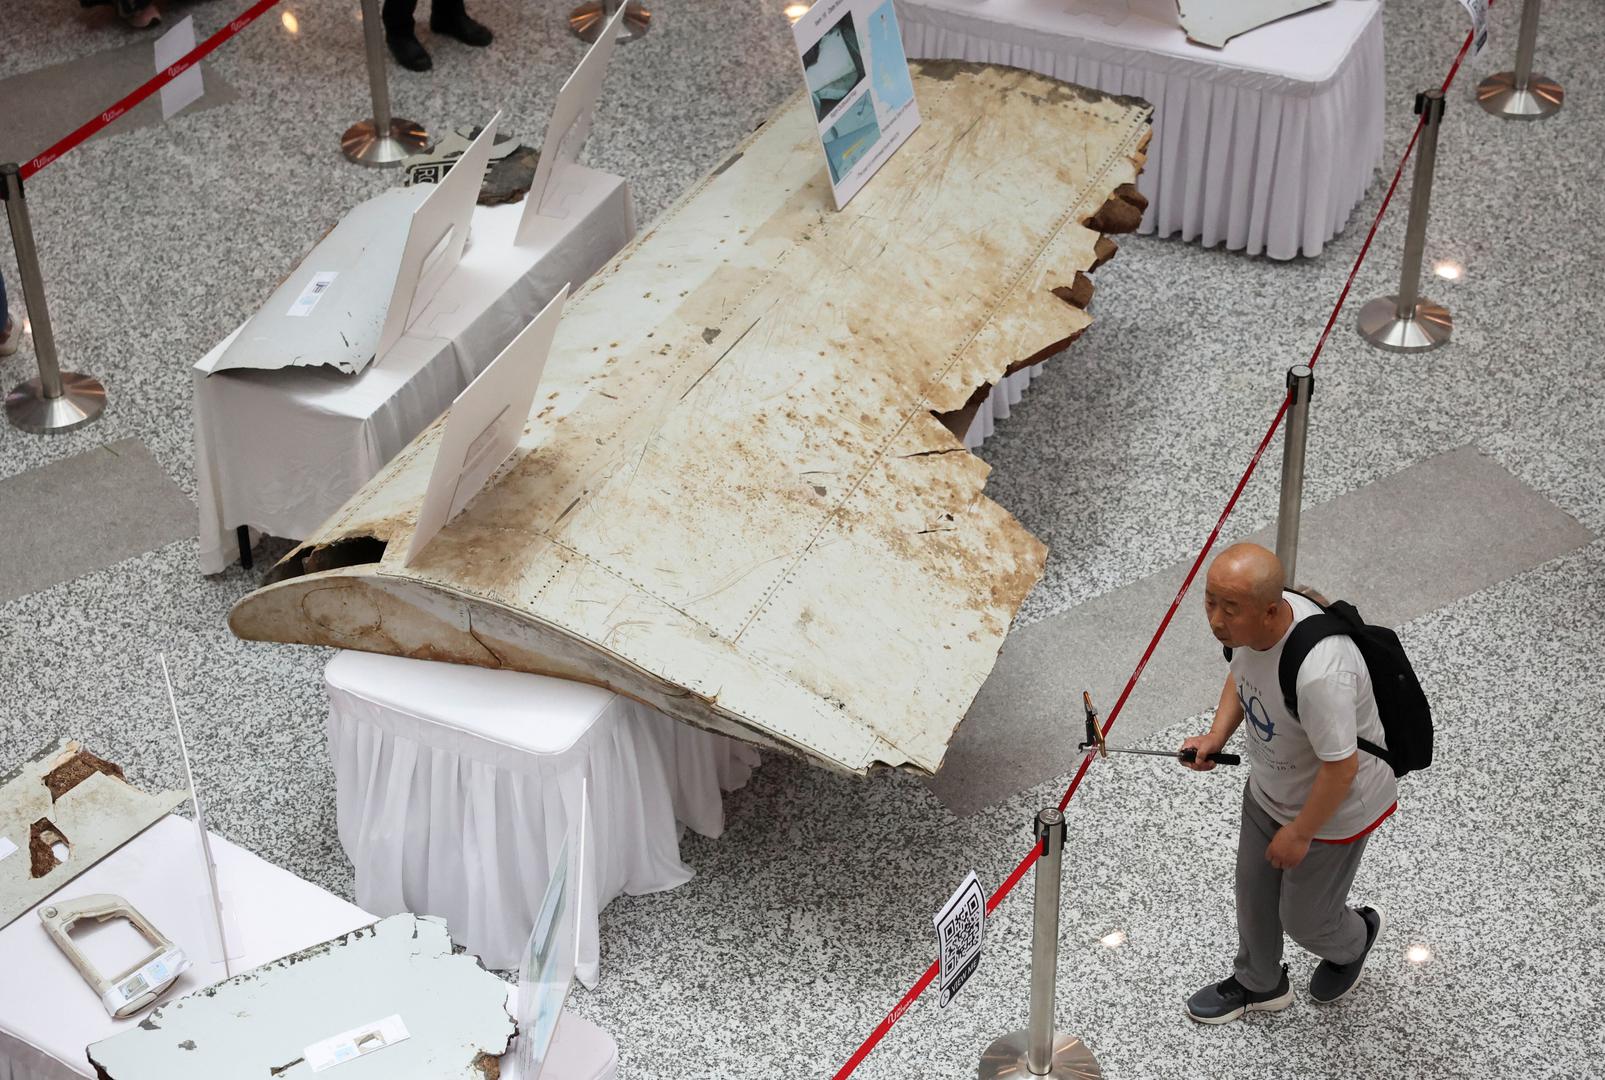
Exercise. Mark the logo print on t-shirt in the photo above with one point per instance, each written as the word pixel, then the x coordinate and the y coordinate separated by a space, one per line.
pixel 1254 709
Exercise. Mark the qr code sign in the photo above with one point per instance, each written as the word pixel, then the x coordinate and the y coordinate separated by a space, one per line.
pixel 960 927
pixel 962 935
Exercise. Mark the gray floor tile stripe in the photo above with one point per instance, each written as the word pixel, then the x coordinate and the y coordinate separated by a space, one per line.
pixel 1398 548
pixel 63 96
pixel 86 512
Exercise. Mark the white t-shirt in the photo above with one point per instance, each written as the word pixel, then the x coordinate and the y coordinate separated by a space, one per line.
pixel 1335 706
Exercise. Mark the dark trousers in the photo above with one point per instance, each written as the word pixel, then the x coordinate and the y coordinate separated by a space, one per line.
pixel 398 14
pixel 1309 903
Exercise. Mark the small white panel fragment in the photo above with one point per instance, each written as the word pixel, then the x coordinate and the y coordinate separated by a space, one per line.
pixel 7 848
pixel 279 1019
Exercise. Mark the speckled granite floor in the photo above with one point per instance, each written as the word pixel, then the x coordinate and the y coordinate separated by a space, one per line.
pixel 811 915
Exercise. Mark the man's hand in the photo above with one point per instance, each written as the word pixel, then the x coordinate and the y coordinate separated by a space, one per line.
pixel 1287 849
pixel 1204 745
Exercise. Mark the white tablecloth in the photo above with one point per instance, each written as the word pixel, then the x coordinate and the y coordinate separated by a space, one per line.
pixel 455 787
pixel 281 451
pixel 1265 145
pixel 1004 396
pixel 48 1014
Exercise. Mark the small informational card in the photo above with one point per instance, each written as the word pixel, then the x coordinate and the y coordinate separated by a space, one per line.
pixel 350 1045
pixel 7 848
pixel 1478 10
pixel 188 87
pixel 960 926
pixel 303 305
pixel 859 87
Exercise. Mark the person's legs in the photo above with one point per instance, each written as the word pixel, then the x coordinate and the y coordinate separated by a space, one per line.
pixel 1314 907
pixel 1259 892
pixel 398 17
pixel 1258 982
pixel 10 330
pixel 449 17
pixel 402 38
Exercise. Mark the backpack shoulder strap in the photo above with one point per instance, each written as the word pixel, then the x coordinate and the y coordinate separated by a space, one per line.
pixel 1307 633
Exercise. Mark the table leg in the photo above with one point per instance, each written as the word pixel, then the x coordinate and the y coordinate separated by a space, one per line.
pixel 244 534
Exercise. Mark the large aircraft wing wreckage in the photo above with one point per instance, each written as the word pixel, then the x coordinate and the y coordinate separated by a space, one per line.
pixel 737 497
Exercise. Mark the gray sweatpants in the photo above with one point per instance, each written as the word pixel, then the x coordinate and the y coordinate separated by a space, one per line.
pixel 1309 902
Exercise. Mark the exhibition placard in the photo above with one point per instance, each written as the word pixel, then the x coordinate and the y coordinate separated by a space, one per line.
pixel 960 928
pixel 859 86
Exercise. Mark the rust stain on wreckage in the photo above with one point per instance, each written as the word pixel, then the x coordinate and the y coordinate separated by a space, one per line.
pixel 738 498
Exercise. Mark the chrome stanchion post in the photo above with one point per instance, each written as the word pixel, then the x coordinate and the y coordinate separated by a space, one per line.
pixel 384 140
pixel 1300 385
pixel 1519 94
pixel 1040 1050
pixel 588 19
pixel 57 400
pixel 1405 322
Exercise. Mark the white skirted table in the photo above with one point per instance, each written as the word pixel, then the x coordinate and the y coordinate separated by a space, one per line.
pixel 1005 394
pixel 455 786
pixel 280 451
pixel 1266 145
pixel 48 1014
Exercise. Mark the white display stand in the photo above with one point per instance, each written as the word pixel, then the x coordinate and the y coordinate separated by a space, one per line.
pixel 48 1014
pixel 455 786
pixel 280 451
pixel 1265 146
pixel 484 425
pixel 580 1051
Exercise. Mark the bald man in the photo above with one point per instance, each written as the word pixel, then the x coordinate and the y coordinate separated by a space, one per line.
pixel 1311 799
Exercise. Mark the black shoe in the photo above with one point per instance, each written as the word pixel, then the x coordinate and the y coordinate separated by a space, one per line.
pixel 1331 982
pixel 1224 1001
pixel 464 29
pixel 409 52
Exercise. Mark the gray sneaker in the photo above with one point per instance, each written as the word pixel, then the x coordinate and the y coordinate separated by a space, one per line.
pixel 1224 1001
pixel 1332 982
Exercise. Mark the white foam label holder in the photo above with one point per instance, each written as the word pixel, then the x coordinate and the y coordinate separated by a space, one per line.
pixel 312 293
pixel 960 928
pixel 350 1045
pixel 153 976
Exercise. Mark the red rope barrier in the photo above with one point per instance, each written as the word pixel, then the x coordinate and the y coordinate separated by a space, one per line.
pixel 1018 872
pixel 149 87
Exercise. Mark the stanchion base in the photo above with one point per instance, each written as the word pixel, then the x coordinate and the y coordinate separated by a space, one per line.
pixel 1008 1058
pixel 82 400
pixel 363 145
pixel 1427 328
pixel 588 19
pixel 1498 94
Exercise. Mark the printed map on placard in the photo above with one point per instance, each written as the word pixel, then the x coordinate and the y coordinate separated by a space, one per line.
pixel 859 87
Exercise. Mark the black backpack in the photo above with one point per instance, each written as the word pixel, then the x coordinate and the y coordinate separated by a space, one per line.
pixel 1401 703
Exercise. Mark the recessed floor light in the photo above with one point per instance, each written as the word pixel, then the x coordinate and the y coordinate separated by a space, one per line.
pixel 1449 271
pixel 1418 954
pixel 1114 939
pixel 291 23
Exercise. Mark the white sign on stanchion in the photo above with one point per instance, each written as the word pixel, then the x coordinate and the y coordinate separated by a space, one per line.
pixel 960 928
pixel 859 85
pixel 188 87
pixel 1478 10
pixel 566 133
